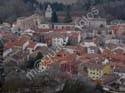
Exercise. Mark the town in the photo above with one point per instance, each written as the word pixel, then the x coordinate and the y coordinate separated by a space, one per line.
pixel 34 49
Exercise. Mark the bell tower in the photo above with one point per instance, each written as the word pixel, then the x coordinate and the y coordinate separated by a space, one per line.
pixel 48 12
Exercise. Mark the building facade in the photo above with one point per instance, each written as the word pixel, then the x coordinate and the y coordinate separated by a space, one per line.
pixel 97 70
pixel 48 13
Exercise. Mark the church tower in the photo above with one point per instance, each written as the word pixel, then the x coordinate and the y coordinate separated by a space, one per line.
pixel 48 12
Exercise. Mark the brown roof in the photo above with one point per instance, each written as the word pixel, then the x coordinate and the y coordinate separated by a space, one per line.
pixel 9 45
pixel 32 44
pixel 20 42
pixel 95 65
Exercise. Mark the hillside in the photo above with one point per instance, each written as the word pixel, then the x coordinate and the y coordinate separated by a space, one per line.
pixel 10 10
pixel 59 1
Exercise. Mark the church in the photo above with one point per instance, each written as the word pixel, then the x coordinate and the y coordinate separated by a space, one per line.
pixel 48 12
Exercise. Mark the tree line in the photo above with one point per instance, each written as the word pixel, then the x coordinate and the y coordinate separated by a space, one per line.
pixel 11 9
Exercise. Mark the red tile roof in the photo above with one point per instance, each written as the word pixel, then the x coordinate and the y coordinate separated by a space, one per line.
pixel 74 34
pixel 117 27
pixel 32 44
pixel 9 36
pixel 117 64
pixel 20 42
pixel 76 47
pixel 115 56
pixel 9 45
pixel 68 62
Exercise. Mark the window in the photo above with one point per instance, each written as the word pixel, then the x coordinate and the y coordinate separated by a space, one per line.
pixel 62 27
pixel 97 77
pixel 101 25
pixel 91 73
pixel 43 25
pixel 93 77
pixel 91 51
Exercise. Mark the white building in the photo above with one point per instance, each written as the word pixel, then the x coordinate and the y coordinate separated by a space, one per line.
pixel 24 23
pixel 48 13
pixel 88 44
pixel 59 41
pixel 90 51
pixel 44 26
pixel 97 22
pixel 68 26
pixel 7 52
pixel 34 45
pixel 120 71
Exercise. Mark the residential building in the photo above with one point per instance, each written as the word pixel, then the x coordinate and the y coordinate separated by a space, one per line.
pixel 97 22
pixel 74 37
pixel 63 26
pixel 44 26
pixel 120 71
pixel 25 23
pixel 96 70
pixel 59 41
pixel 68 67
pixel 21 44
pixel 8 49
pixel 93 50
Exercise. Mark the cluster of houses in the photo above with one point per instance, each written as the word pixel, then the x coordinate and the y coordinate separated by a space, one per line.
pixel 96 52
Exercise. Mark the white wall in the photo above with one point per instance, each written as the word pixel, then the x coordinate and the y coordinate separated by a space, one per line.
pixel 120 74
pixel 25 45
pixel 59 41
pixel 7 52
pixel 43 26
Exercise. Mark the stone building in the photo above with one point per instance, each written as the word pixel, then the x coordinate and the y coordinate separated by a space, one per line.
pixel 25 23
pixel 97 22
pixel 48 12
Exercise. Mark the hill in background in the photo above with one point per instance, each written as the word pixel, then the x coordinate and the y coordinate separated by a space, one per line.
pixel 10 10
pixel 59 1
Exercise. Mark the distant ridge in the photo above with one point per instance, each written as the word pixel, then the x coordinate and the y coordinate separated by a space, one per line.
pixel 59 1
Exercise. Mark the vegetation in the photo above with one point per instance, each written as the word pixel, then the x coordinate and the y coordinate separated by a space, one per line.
pixel 68 17
pixel 99 88
pixel 56 6
pixel 110 9
pixel 75 86
pixel 31 62
pixel 54 18
pixel 11 9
